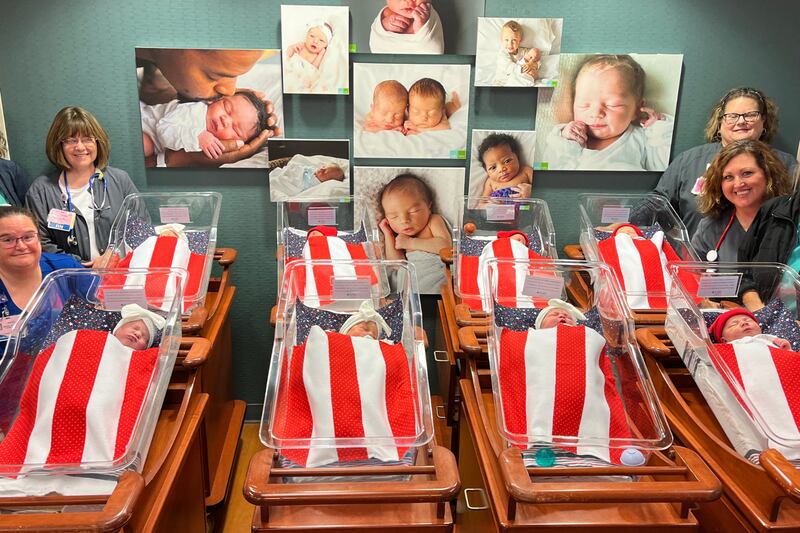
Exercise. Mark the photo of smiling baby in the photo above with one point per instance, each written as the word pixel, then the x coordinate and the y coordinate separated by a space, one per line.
pixel 410 111
pixel 613 112
pixel 522 52
pixel 314 41
pixel 412 207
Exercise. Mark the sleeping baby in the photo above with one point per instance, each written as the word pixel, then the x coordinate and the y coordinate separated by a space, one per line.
pixel 740 326
pixel 304 59
pixel 138 327
pixel 214 127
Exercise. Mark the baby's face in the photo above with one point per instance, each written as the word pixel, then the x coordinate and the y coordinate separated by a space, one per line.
pixel 389 110
pixel 315 233
pixel 425 111
pixel 519 238
pixel 627 230
pixel 404 7
pixel 134 335
pixel 511 40
pixel 408 214
pixel 740 326
pixel 604 102
pixel 315 41
pixel 556 317
pixel 232 117
pixel 363 329
pixel 501 163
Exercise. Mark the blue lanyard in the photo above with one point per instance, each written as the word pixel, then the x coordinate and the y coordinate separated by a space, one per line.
pixel 96 176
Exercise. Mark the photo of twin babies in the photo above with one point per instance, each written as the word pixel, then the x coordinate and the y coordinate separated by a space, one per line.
pixel 314 41
pixel 521 52
pixel 415 111
pixel 611 112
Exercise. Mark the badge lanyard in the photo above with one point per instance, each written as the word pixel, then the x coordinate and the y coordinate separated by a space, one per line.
pixel 712 255
pixel 72 240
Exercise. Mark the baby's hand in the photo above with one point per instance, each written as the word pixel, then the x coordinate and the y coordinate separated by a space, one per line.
pixel 421 15
pixel 409 128
pixel 385 228
pixel 295 49
pixel 652 116
pixel 402 242
pixel 453 105
pixel 210 145
pixel 523 191
pixel 575 131
pixel 783 344
pixel 396 23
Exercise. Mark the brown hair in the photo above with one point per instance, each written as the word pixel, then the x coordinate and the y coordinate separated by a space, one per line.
pixel 625 64
pixel 513 25
pixel 768 109
pixel 14 210
pixel 407 183
pixel 391 88
pixel 428 87
pixel 71 122
pixel 713 203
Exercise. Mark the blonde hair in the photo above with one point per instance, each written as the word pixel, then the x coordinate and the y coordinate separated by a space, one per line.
pixel 713 203
pixel 767 107
pixel 513 25
pixel 72 122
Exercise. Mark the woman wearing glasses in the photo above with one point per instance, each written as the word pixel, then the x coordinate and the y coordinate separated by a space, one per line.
pixel 22 263
pixel 743 113
pixel 742 176
pixel 75 205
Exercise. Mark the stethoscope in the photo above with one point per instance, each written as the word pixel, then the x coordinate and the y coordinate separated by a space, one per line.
pixel 712 255
pixel 72 240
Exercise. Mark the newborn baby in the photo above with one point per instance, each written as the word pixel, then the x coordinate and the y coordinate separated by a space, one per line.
pixel 388 109
pixel 558 312
pixel 740 325
pixel 367 322
pixel 138 327
pixel 427 107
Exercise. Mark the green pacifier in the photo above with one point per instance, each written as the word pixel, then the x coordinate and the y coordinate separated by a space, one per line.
pixel 545 457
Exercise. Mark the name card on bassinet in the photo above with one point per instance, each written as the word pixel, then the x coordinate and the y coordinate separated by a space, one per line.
pixel 321 216
pixel 712 285
pixel 174 214
pixel 615 213
pixel 541 286
pixel 116 299
pixel 500 212
pixel 351 288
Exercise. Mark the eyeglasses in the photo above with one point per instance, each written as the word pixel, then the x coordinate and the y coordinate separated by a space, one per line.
pixel 733 118
pixel 7 241
pixel 73 141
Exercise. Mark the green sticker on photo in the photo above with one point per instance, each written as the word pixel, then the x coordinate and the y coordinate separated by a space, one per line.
pixel 540 166
pixel 458 154
pixel 343 90
pixel 353 48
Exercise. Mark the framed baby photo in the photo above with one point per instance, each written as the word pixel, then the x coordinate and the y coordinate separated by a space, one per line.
pixel 414 211
pixel 208 107
pixel 314 46
pixel 5 152
pixel 304 168
pixel 410 111
pixel 501 163
pixel 414 26
pixel 609 112
pixel 520 52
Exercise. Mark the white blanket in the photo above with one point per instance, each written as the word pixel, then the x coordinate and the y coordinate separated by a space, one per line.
pixel 288 181
pixel 428 40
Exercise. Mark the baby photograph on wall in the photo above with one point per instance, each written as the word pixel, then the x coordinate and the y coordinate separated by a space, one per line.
pixel 610 112
pixel 522 52
pixel 5 152
pixel 414 211
pixel 208 107
pixel 410 111
pixel 501 163
pixel 314 43
pixel 415 26
pixel 302 168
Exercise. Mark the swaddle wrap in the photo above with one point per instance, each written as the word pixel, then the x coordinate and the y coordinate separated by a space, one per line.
pixel 428 40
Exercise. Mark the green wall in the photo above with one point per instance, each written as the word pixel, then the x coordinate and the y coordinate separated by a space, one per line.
pixel 55 53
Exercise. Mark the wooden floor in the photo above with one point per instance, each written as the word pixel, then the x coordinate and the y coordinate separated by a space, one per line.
pixel 238 514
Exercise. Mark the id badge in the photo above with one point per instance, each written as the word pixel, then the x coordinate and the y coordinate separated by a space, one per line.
pixel 7 324
pixel 698 185
pixel 61 220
